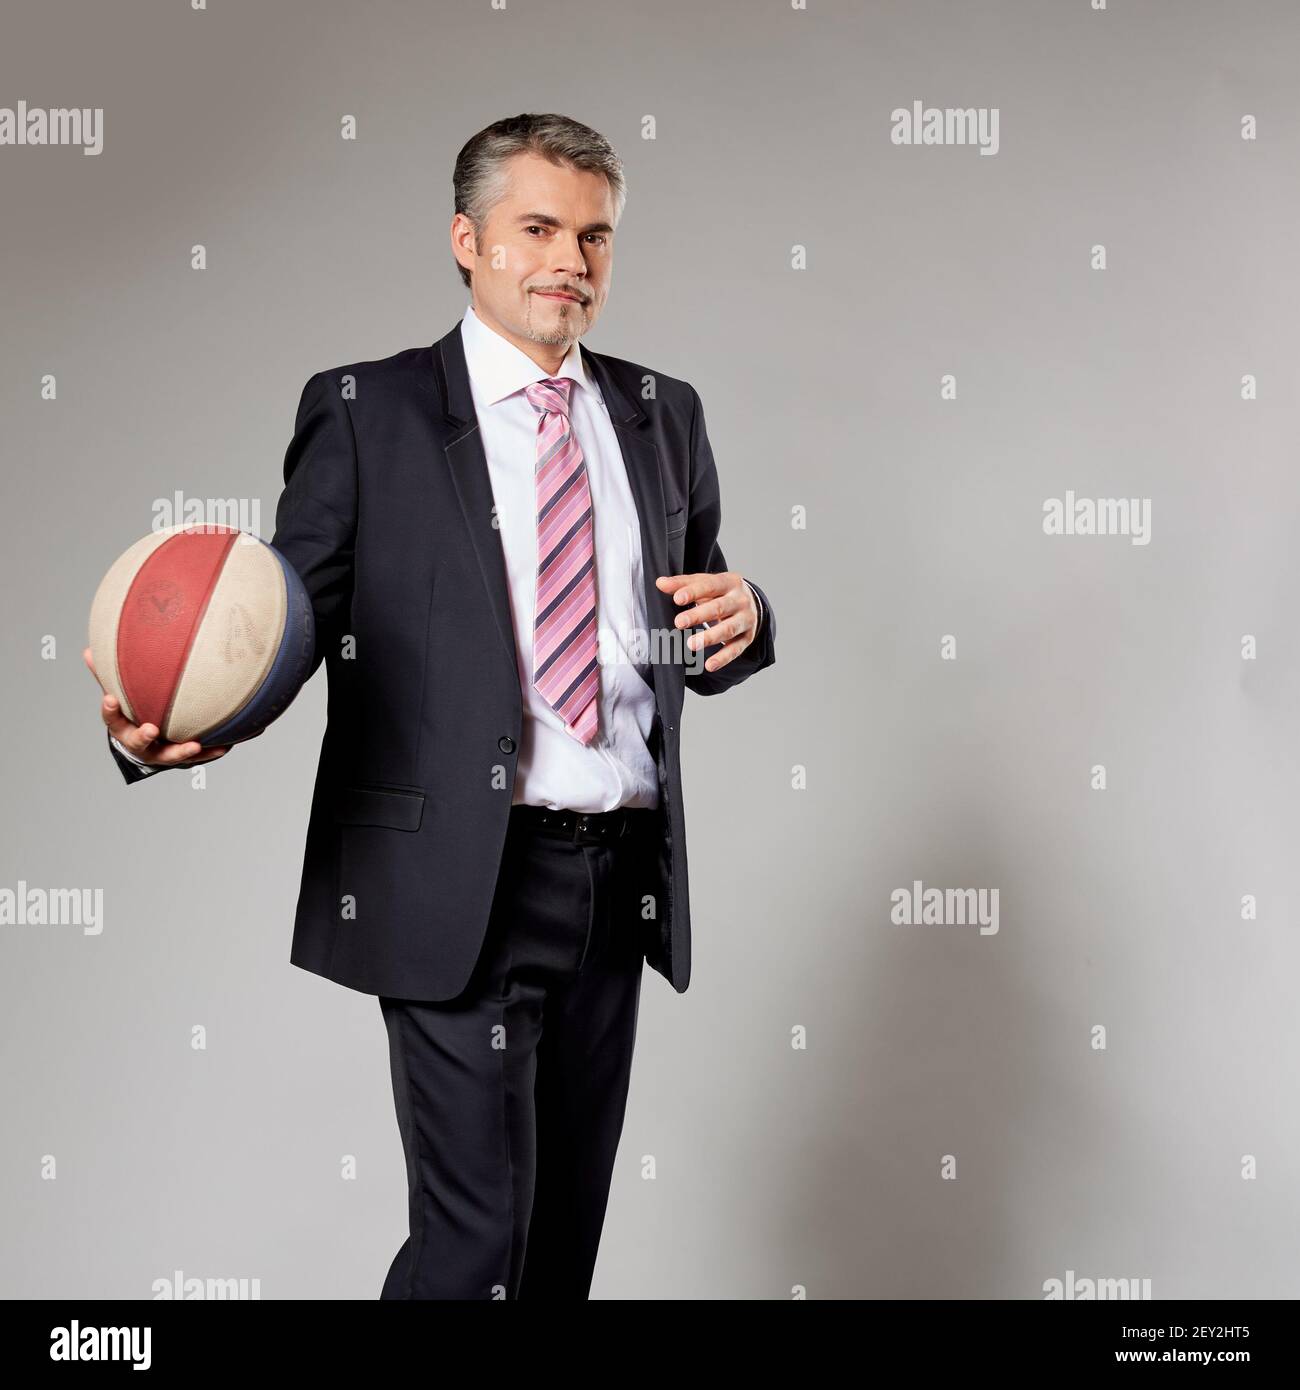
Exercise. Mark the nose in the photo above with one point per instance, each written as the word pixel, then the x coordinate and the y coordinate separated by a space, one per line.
pixel 569 260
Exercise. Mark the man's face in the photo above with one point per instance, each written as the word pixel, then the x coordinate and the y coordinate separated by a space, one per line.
pixel 543 264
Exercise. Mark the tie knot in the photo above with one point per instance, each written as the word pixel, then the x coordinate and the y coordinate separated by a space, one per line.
pixel 550 394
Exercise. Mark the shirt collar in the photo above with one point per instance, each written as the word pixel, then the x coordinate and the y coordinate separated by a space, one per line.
pixel 497 368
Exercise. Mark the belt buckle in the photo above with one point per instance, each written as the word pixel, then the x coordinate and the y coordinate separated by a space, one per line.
pixel 600 835
pixel 575 824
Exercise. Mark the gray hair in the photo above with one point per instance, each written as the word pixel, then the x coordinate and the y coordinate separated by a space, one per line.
pixel 480 177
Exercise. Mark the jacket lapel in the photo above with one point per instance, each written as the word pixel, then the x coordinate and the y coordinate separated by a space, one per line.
pixel 641 460
pixel 469 471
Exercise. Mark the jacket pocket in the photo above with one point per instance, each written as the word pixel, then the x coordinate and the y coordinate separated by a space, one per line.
pixel 675 522
pixel 398 808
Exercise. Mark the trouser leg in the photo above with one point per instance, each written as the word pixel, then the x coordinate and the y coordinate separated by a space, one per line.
pixel 584 1060
pixel 522 1080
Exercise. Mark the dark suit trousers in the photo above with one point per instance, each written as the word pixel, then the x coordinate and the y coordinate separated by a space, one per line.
pixel 510 1098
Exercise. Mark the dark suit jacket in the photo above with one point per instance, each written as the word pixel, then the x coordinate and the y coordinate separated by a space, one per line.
pixel 386 514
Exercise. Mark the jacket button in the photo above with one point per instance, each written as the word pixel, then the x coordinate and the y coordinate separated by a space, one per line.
pixel 506 744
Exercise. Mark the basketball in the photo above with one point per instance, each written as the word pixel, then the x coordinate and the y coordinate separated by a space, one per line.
pixel 204 631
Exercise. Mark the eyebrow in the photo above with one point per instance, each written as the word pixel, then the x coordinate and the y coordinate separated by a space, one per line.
pixel 546 220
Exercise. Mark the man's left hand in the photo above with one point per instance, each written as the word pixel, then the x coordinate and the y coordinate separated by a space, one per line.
pixel 721 601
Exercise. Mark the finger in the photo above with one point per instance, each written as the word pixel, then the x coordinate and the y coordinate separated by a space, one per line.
pixel 122 729
pixel 89 658
pixel 728 654
pixel 724 631
pixel 711 610
pixel 171 754
pixel 111 713
pixel 210 755
pixel 143 740
pixel 687 587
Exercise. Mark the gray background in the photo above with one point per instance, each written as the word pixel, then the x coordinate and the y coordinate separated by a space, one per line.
pixel 776 1168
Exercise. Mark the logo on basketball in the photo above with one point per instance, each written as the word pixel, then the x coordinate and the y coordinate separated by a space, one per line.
pixel 242 636
pixel 160 602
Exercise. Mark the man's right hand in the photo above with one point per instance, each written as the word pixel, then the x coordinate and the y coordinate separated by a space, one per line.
pixel 142 739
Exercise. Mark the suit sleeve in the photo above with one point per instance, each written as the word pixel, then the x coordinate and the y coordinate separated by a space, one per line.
pixel 758 603
pixel 316 516
pixel 704 555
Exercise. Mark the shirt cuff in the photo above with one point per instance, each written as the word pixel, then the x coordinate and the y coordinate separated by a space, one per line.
pixel 126 753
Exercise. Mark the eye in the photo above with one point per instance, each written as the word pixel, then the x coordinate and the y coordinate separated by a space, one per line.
pixel 599 237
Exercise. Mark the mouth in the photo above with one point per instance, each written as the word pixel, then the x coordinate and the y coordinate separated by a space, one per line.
pixel 568 298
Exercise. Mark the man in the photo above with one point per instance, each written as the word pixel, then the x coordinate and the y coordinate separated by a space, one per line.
pixel 494 530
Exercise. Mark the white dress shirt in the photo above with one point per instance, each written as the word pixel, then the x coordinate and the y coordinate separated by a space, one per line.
pixel 553 768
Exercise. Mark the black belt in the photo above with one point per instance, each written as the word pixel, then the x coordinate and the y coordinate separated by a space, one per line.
pixel 584 827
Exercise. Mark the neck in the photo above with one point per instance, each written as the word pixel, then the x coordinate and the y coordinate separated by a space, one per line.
pixel 548 356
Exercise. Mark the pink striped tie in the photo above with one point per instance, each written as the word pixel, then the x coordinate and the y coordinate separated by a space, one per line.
pixel 565 670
